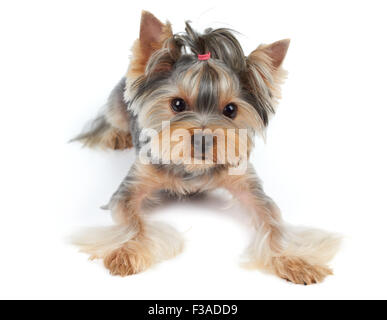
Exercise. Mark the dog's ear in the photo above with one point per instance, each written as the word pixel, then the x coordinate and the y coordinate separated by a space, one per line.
pixel 153 34
pixel 274 52
pixel 265 72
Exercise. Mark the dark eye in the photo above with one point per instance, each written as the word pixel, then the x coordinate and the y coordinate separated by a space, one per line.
pixel 230 110
pixel 178 105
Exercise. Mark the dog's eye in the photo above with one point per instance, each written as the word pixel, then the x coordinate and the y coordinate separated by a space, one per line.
pixel 230 110
pixel 178 105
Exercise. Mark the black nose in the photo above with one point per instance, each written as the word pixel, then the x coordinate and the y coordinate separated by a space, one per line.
pixel 202 143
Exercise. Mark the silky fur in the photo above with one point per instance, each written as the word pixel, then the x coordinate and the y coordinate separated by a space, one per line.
pixel 165 66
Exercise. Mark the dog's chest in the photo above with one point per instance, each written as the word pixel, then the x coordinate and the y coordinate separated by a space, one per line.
pixel 191 183
pixel 179 181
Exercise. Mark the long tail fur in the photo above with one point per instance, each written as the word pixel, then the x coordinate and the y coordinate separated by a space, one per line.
pixel 110 129
pixel 100 133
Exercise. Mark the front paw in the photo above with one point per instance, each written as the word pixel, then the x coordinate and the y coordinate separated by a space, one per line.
pixel 126 261
pixel 298 271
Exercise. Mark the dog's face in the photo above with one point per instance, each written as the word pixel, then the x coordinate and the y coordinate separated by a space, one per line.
pixel 208 110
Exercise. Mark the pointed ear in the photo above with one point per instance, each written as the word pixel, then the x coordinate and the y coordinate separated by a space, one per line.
pixel 267 60
pixel 276 51
pixel 153 34
pixel 265 75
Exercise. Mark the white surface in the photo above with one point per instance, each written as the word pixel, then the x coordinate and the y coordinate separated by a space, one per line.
pixel 324 161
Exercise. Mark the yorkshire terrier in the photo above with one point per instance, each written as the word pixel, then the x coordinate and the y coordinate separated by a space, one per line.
pixel 191 104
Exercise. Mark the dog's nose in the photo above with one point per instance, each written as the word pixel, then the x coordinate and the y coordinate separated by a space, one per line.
pixel 202 143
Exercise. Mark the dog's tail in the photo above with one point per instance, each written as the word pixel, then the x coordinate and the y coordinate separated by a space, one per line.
pixel 110 129
pixel 100 133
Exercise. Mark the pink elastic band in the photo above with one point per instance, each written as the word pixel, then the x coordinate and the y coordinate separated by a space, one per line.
pixel 203 57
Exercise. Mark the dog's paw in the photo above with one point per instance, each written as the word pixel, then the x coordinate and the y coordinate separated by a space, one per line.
pixel 298 271
pixel 125 261
pixel 117 140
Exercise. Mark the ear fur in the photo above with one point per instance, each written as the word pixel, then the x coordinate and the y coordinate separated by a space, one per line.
pixel 153 34
pixel 275 51
pixel 265 71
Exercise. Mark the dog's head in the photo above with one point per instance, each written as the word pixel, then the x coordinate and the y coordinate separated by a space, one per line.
pixel 201 93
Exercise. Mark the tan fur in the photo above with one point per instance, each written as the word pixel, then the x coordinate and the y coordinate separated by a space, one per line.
pixel 299 255
pixel 266 63
pixel 298 271
pixel 296 254
pixel 142 48
pixel 117 140
pixel 228 147
pixel 128 260
pixel 118 117
pixel 128 249
pixel 152 245
pixel 109 138
pixel 136 243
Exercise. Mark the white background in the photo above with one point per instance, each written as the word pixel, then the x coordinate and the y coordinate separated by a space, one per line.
pixel 324 161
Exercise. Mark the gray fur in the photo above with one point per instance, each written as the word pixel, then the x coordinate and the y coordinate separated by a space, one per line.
pixel 94 133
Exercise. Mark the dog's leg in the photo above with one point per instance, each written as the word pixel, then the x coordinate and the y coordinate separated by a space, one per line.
pixel 135 243
pixel 295 254
pixel 111 129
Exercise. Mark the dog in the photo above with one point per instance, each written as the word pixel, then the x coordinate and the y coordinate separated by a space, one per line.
pixel 191 105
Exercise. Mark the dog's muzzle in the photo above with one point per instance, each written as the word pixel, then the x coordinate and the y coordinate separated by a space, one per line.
pixel 202 145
